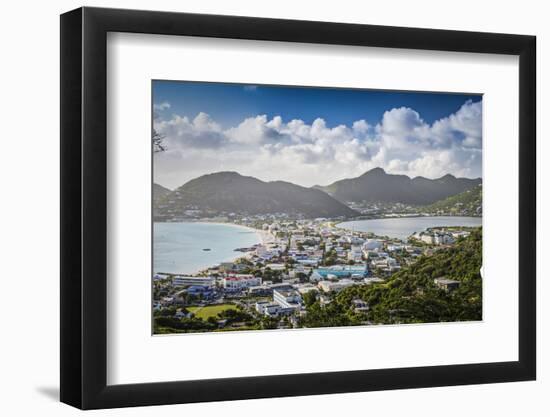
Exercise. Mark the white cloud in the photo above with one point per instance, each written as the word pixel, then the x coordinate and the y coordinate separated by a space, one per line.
pixel 308 154
pixel 161 106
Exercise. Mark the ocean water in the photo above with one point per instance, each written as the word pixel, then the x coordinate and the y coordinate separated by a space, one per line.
pixel 403 227
pixel 178 247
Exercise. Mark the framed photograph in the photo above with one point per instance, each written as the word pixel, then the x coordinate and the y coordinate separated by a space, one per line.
pixel 258 208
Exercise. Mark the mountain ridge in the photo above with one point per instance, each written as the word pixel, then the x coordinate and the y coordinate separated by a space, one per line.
pixel 376 185
pixel 231 192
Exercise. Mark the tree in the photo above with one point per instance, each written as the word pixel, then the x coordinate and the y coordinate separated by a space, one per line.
pixel 158 145
pixel 310 297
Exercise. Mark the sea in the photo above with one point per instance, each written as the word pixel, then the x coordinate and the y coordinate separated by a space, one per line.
pixel 178 248
pixel 403 227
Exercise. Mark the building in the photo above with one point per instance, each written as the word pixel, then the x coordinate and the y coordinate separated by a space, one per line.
pixel 360 306
pixel 276 267
pixel 260 290
pixel 305 288
pixel 308 262
pixel 355 254
pixel 272 309
pixel 287 298
pixel 184 281
pixel 241 281
pixel 329 286
pixel 447 284
pixel 372 244
pixel 341 271
pixel 373 280
pixel 199 290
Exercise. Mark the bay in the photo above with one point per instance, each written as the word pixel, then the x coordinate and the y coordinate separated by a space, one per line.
pixel 403 227
pixel 178 248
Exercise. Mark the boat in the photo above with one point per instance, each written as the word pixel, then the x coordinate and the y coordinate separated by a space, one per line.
pixel 207 249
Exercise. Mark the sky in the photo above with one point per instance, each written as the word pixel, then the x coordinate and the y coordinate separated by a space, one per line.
pixel 309 135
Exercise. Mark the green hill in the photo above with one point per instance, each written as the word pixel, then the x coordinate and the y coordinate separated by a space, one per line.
pixel 467 203
pixel 159 192
pixel 230 192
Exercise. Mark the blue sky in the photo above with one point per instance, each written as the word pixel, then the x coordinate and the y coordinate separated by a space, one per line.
pixel 309 135
pixel 228 104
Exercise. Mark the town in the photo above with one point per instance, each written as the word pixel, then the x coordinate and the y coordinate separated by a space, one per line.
pixel 300 265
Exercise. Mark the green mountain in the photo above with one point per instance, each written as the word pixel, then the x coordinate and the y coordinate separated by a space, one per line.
pixel 467 203
pixel 376 186
pixel 230 192
pixel 159 192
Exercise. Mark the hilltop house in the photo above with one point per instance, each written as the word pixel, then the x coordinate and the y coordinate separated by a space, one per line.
pixel 446 284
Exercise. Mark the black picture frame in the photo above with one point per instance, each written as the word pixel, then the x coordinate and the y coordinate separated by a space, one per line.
pixel 84 207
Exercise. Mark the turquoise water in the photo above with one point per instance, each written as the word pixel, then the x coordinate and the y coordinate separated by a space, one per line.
pixel 178 247
pixel 403 227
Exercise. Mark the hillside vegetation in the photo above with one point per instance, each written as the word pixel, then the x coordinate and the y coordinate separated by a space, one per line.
pixel 467 203
pixel 410 295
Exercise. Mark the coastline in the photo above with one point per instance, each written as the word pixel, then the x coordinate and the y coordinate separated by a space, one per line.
pixel 263 236
pixel 375 230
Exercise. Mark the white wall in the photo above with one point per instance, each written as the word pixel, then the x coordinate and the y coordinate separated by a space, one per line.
pixel 29 212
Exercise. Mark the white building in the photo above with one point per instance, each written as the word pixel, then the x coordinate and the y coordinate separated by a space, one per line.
pixel 328 286
pixel 372 244
pixel 182 281
pixel 241 281
pixel 305 288
pixel 276 267
pixel 355 254
pixel 287 298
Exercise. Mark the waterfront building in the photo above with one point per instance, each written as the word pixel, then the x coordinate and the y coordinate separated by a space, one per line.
pixel 184 280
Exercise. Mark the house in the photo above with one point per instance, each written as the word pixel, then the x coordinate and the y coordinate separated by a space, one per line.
pixel 373 280
pixel 180 314
pixel 360 306
pixel 446 284
pixel 241 281
pixel 324 300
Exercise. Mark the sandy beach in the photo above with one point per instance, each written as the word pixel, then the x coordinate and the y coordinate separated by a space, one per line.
pixel 264 235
